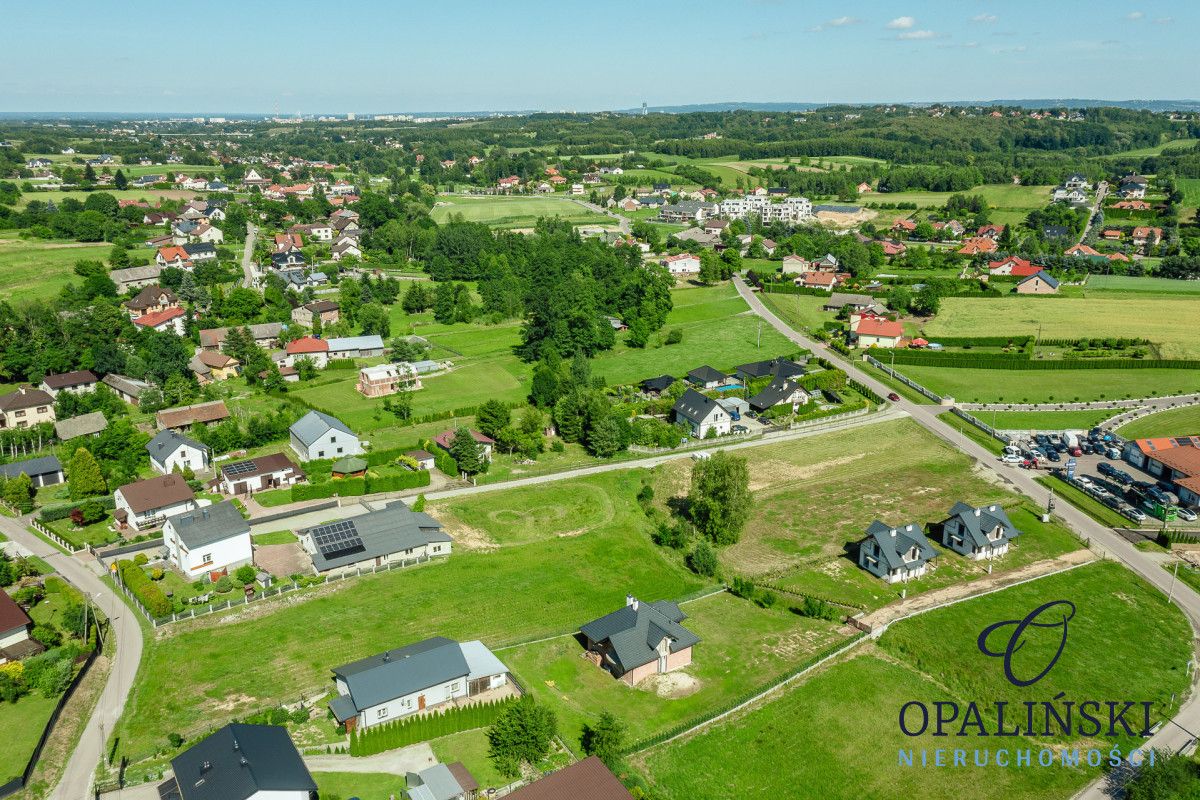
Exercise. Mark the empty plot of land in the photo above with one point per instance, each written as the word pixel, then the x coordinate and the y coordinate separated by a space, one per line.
pixel 513 212
pixel 1051 386
pixel 36 269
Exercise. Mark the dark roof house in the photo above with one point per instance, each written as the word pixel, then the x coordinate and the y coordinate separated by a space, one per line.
pixel 895 553
pixel 239 761
pixel 639 634
pixel 377 534
pixel 981 532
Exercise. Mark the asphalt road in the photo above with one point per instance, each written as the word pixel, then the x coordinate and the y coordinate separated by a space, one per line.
pixel 123 645
pixel 248 256
pixel 1174 735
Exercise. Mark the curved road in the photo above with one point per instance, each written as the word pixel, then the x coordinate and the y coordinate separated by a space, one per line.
pixel 248 256
pixel 125 638
pixel 1174 735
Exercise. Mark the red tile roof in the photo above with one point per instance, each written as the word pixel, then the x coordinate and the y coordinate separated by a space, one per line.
pixel 977 245
pixel 172 253
pixel 307 344
pixel 585 780
pixel 156 318
pixel 443 439
pixel 12 616
pixel 1081 250
pixel 871 326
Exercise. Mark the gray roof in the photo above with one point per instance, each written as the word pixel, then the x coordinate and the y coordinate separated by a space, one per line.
pixel 313 426
pixel 707 374
pixel 373 342
pixel 130 386
pixel 167 441
pixel 779 390
pixel 839 299
pixel 633 633
pixel 1050 280
pixel 238 761
pixel 433 783
pixel 204 526
pixel 891 548
pixel 977 522
pixel 83 425
pixel 382 533
pixel 393 674
pixel 779 367
pixel 694 406
pixel 44 465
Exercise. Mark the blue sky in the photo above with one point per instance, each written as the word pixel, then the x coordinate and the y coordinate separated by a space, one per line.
pixel 374 56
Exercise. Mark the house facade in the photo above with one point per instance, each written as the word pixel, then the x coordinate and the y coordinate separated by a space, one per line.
pixel 978 533
pixel 171 451
pixel 703 415
pixel 1039 283
pixel 318 435
pixel 640 640
pixel 895 554
pixel 147 503
pixel 275 471
pixel 25 408
pixel 77 382
pixel 208 541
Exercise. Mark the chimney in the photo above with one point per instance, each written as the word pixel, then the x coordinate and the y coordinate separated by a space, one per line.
pixel 991 508
pixel 631 602
pixel 977 512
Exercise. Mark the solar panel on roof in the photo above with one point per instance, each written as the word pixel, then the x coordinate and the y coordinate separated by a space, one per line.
pixel 240 468
pixel 338 539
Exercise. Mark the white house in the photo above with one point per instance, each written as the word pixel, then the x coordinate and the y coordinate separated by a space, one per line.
pixel 77 382
pixel 208 540
pixel 242 762
pixel 171 320
pixel 392 534
pixel 170 451
pixel 406 680
pixel 318 435
pixel 682 264
pixel 702 414
pixel 147 503
pixel 15 624
pixel 274 471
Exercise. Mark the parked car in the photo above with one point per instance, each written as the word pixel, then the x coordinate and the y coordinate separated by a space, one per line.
pixel 1011 458
pixel 1122 477
pixel 1112 501
pixel 1141 485
pixel 1042 439
pixel 1105 468
pixel 1158 495
pixel 1166 486
pixel 893 397
pixel 1084 481
pixel 1075 451
pixel 1135 514
pixel 1113 453
pixel 1053 455
pixel 739 429
pixel 1186 514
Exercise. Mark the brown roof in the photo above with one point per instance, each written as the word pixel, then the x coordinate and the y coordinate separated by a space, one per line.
pixel 419 455
pixel 159 492
pixel 149 296
pixel 463 776
pixel 186 415
pixel 25 397
pixel 12 616
pixel 263 465
pixel 586 780
pixel 79 377
pixel 321 306
pixel 218 360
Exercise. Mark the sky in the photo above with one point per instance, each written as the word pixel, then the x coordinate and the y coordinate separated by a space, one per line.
pixel 375 56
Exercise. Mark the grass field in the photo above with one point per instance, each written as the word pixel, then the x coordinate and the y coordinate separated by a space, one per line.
pixel 198 675
pixel 741 646
pixel 969 431
pixel 1191 191
pixel 1171 144
pixel 151 196
pixel 1175 422
pixel 1044 420
pixel 802 312
pixel 471 748
pixel 813 503
pixel 1000 196
pixel 1125 641
pixel 1125 283
pixel 1048 386
pixel 22 722
pixel 363 785
pixel 36 269
pixel 1162 320
pixel 514 212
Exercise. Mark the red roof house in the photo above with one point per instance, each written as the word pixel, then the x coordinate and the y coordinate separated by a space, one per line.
pixel 307 344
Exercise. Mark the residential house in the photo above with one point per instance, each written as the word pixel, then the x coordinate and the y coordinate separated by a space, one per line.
pixel 170 451
pixel 1081 250
pixel 128 389
pixel 408 680
pixel 795 265
pixel 682 264
pixel 977 245
pixel 356 346
pixel 707 378
pixel 274 471
pixel 874 332
pixel 990 231
pixel 779 367
pixel 80 381
pixel 825 281
pixel 318 435
pixel 1111 234
pixel 210 365
pixel 978 533
pixel 1133 188
pixel 1056 232
pixel 199 252
pixel 640 640
pixel 135 277
pixel 392 534
pixel 780 392
pixel 697 236
pixel 171 320
pixel 346 249
pixel 25 408
pixel 242 762
pixel 321 231
pixel 896 554
pixel 891 247
pixel 310 347
pixel 42 471
pixel 264 334
pixel 207 234
pixel 445 440
pixel 1132 205
pixel 288 260
pixel 1146 236
pixel 1063 194
pixel 325 310
pixel 174 256
pixel 687 211
pixel 147 503
pixel 628 204
pixel 588 779
pixel 1038 283
pixel 288 242
pixel 150 300
pixel 442 782
pixel 211 541
pixel 1077 180
pixel 91 424
pixel 715 226
pixel 15 625
pixel 703 415
pixel 856 303
pixel 656 386
pixel 184 417
pixel 1013 265
pixel 386 379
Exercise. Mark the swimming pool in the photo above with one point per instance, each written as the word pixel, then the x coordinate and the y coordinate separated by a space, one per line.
pixel 730 387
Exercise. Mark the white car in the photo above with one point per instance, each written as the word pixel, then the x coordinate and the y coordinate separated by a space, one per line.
pixel 1011 458
pixel 1186 514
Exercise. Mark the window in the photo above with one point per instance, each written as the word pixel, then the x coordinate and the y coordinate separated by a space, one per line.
pixel 21 413
pixel 381 713
pixel 41 409
pixel 207 557
pixel 339 449
pixel 454 687
pixel 320 454
pixel 333 439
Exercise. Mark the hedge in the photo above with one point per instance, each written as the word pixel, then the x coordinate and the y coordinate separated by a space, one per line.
pixel 356 487
pixel 341 363
pixel 145 590
pixel 414 729
pixel 55 513
pixel 1021 361
pixel 441 459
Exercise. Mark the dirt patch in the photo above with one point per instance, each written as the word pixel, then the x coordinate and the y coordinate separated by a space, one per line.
pixel 671 685
pixel 282 560
pixel 838 219
pixel 990 475
pixel 232 702
pixel 764 474
pixel 465 537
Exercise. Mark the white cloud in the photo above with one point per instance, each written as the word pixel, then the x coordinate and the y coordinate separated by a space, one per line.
pixel 1134 15
pixel 988 18
pixel 840 21
pixel 910 35
pixel 1164 20
pixel 901 23
pixel 1020 48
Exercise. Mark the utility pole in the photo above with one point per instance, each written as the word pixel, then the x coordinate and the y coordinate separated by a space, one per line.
pixel 1050 502
pixel 1171 593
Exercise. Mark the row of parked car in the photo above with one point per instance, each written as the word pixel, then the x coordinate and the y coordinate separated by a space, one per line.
pixel 1053 447
pixel 1131 498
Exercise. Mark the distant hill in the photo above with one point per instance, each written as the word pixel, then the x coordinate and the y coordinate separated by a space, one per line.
pixel 1067 102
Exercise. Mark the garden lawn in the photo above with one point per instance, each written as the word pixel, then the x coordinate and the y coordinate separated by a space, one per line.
pixel 22 723
pixel 802 312
pixel 201 674
pixel 1125 642
pixel 97 533
pixel 1162 320
pixel 1048 385
pixel 1045 420
pixel 514 212
pixel 36 269
pixel 471 748
pixel 1125 283
pixel 274 537
pixel 363 785
pixel 741 648
pixel 1175 422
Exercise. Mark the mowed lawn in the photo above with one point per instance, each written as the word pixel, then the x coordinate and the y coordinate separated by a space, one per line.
pixel 802 312
pixel 151 196
pixel 1166 321
pixel 1126 283
pixel 1175 422
pixel 36 269
pixel 199 675
pixel 813 503
pixel 22 723
pixel 1045 420
pixel 514 212
pixel 1125 642
pixel 999 196
pixel 741 647
pixel 1050 385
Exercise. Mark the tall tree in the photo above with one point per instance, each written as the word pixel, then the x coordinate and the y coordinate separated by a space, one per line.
pixel 467 452
pixel 719 500
pixel 492 416
pixel 521 736
pixel 604 739
pixel 84 476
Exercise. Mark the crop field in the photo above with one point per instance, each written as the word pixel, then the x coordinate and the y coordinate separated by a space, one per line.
pixel 197 675
pixel 741 646
pixel 1175 422
pixel 36 269
pixel 1051 386
pixel 1000 196
pixel 814 503
pixel 1125 283
pixel 1125 641
pixel 514 212
pixel 151 196
pixel 1163 320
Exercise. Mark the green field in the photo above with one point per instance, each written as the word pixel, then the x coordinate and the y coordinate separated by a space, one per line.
pixel 1009 203
pixel 1125 641
pixel 197 675
pixel 1162 320
pixel 1044 420
pixel 1125 283
pixel 1050 386
pixel 363 785
pixel 802 312
pixel 471 748
pixel 514 212
pixel 36 269
pixel 1191 191
pixel 23 723
pixel 1174 422
pixel 151 196
pixel 1142 152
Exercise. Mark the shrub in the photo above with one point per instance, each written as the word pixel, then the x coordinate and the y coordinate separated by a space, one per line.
pixel 48 636
pixel 245 574
pixel 175 740
pixel 412 730
pixel 141 559
pixel 702 560
pixel 149 594
pixel 674 336
pixel 156 574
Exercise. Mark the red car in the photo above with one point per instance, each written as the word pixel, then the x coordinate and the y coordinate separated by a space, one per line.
pixel 894 397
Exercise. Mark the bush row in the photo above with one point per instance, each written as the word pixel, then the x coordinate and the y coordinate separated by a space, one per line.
pixel 55 513
pixel 145 590
pixel 355 487
pixel 413 730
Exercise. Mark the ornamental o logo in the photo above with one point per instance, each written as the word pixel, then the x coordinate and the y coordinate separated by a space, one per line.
pixel 1055 614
